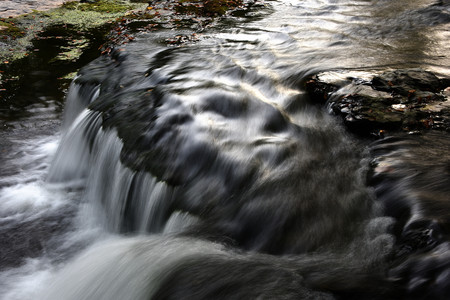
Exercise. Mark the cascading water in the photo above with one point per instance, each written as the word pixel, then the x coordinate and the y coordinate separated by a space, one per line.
pixel 203 172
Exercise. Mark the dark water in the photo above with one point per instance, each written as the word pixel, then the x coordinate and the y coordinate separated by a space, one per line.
pixel 202 172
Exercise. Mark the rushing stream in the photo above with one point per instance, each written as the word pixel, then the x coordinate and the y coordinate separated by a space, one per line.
pixel 203 172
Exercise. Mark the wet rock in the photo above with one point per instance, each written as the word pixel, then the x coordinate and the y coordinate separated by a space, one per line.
pixel 403 82
pixel 370 104
pixel 208 142
pixel 425 276
pixel 411 179
pixel 319 91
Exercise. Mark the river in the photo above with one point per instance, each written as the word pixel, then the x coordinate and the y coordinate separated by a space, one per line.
pixel 203 172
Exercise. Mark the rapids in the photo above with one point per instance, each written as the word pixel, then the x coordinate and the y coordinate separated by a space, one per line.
pixel 203 171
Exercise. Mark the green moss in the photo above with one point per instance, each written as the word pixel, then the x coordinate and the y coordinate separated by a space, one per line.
pixel 206 7
pixel 90 15
pixel 102 6
pixel 19 33
pixel 72 51
pixel 10 29
pixel 82 20
pixel 70 76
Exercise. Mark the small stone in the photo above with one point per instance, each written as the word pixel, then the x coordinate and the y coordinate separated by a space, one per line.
pixel 447 92
pixel 399 107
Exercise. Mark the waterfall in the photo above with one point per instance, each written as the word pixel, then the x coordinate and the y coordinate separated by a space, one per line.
pixel 205 170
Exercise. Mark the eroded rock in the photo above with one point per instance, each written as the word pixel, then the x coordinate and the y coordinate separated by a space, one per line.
pixel 398 100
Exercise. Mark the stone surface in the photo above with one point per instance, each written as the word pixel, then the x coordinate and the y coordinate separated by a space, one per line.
pixel 399 100
pixel 12 8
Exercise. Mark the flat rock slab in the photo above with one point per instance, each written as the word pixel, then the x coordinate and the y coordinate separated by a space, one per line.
pixel 12 8
pixel 371 104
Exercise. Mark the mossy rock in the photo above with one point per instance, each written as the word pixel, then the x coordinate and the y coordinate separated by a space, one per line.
pixel 9 29
pixel 207 8
pixel 220 7
pixel 102 6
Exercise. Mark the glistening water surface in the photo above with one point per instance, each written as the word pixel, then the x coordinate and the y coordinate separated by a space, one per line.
pixel 203 172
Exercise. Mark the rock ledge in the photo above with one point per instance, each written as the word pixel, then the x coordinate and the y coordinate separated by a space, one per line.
pixel 408 100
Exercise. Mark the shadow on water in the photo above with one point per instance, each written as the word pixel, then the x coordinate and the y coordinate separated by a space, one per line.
pixel 45 74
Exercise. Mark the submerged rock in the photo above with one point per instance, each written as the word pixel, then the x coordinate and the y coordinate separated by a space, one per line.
pixel 398 100
pixel 411 178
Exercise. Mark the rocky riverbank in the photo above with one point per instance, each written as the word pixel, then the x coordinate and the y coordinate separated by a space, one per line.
pixel 409 100
pixel 43 50
pixel 17 33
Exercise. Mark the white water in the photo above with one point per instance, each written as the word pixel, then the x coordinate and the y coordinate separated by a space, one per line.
pixel 43 223
pixel 49 184
pixel 123 268
pixel 28 197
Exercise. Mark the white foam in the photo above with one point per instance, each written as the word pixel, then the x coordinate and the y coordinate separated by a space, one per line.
pixel 25 282
pixel 26 194
pixel 123 268
pixel 29 198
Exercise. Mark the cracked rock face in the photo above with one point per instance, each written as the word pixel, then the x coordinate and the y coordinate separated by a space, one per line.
pixel 399 100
